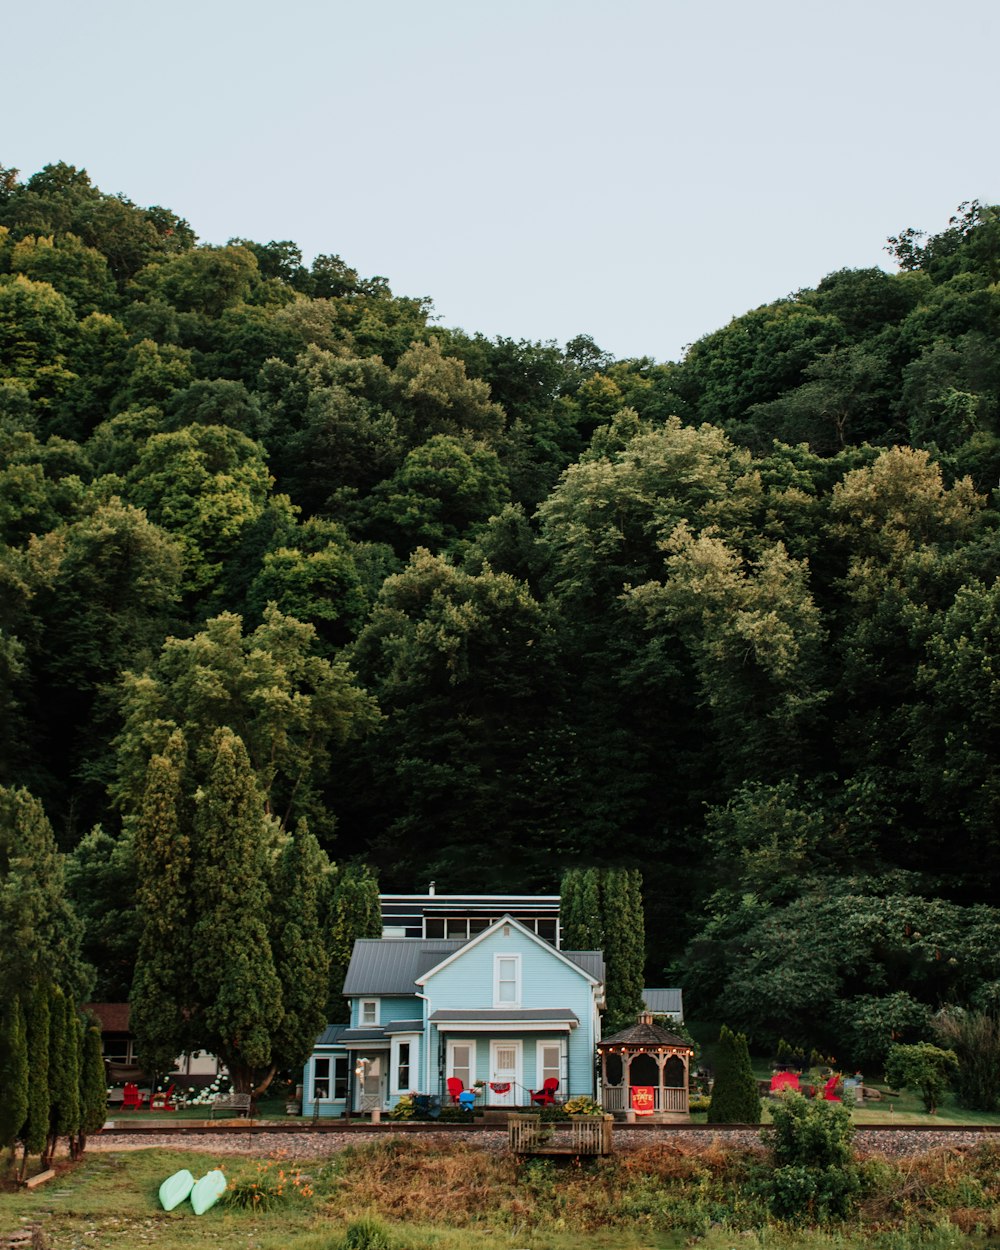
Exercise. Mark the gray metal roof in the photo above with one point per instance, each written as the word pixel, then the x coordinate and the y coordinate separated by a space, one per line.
pixel 332 1035
pixel 665 1002
pixel 404 1026
pixel 592 962
pixel 392 965
pixel 540 1014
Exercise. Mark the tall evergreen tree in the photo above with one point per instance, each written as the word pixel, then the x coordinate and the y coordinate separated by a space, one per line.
pixel 353 911
pixel 735 1097
pixel 13 1071
pixel 239 1007
pixel 601 909
pixel 36 1126
pixel 161 989
pixel 301 957
pixel 93 1090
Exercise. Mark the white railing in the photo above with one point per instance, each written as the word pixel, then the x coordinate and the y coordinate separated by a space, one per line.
pixel 616 1098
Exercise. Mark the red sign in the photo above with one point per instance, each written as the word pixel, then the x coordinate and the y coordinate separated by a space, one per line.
pixel 642 1099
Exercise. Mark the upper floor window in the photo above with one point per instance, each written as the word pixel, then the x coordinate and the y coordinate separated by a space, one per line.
pixel 507 980
pixel 369 1011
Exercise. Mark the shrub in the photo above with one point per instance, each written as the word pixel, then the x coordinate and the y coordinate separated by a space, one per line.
pixel 813 1179
pixel 812 1134
pixel 366 1233
pixel 735 1097
pixel 974 1038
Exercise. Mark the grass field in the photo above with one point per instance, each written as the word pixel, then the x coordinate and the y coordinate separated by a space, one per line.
pixel 426 1196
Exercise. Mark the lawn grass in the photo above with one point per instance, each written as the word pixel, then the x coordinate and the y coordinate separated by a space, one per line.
pixel 429 1198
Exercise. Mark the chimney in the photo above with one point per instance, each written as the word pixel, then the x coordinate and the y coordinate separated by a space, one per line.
pixel 431 887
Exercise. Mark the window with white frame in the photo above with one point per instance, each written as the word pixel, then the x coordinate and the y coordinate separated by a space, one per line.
pixel 321 1079
pixel 330 1078
pixel 549 1062
pixel 369 1011
pixel 507 981
pixel 403 1065
pixel 461 1062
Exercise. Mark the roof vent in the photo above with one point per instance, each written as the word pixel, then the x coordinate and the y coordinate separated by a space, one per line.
pixel 432 887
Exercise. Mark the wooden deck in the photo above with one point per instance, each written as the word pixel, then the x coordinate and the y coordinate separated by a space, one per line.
pixel 585 1135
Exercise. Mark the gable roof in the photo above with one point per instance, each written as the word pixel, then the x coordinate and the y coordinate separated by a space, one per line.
pixel 563 956
pixel 664 1002
pixel 392 965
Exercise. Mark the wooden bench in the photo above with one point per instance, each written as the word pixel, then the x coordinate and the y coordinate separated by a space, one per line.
pixel 231 1104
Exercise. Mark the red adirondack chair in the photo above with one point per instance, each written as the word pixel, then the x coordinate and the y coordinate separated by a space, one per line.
pixel 829 1089
pixel 161 1101
pixel 132 1100
pixel 784 1080
pixel 546 1096
pixel 455 1087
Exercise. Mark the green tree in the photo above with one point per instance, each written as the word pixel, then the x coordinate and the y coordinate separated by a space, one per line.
pixel 923 1067
pixel 93 1088
pixel 288 705
pixel 238 1010
pixel 601 909
pixel 161 986
pixel 35 1132
pixel 735 1097
pixel 301 957
pixel 353 910
pixel 13 1072
pixel 974 1039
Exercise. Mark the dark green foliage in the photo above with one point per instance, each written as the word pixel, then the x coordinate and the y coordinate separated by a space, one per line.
pixel 974 1038
pixel 601 909
pixel 761 671
pixel 813 1178
pixel 924 1067
pixel 735 1097
pixel 13 1071
pixel 39 1020
pixel 353 911
pixel 93 1088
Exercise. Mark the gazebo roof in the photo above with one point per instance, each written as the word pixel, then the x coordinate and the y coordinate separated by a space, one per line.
pixel 644 1035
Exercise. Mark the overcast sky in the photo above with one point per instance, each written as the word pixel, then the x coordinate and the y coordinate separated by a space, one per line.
pixel 637 171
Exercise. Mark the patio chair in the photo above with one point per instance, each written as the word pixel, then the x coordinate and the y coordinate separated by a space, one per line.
pixel 785 1080
pixel 132 1100
pixel 545 1096
pixel 161 1101
pixel 829 1089
pixel 467 1099
pixel 455 1087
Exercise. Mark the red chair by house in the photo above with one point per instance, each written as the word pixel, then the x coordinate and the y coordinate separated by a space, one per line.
pixel 545 1096
pixel 161 1101
pixel 455 1087
pixel 132 1100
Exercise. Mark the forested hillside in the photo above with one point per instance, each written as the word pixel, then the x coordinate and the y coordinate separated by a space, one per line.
pixel 485 610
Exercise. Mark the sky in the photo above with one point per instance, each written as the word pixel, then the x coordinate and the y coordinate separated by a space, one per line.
pixel 640 171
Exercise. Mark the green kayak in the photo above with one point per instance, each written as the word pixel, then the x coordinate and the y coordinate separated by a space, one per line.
pixel 175 1189
pixel 208 1191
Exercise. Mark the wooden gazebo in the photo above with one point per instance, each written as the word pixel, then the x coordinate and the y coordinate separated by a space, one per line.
pixel 649 1057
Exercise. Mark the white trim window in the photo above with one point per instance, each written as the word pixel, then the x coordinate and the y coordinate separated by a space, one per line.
pixel 329 1078
pixel 368 1013
pixel 403 1064
pixel 507 981
pixel 549 1062
pixel 462 1062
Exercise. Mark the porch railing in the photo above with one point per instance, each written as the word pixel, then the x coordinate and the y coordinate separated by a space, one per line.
pixel 669 1099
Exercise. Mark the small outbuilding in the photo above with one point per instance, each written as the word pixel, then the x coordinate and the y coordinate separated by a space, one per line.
pixel 646 1069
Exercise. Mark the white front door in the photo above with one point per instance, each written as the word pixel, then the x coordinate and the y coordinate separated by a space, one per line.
pixel 505 1073
pixel 369 1079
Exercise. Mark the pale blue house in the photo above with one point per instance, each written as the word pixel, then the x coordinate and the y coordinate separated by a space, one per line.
pixel 502 1011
